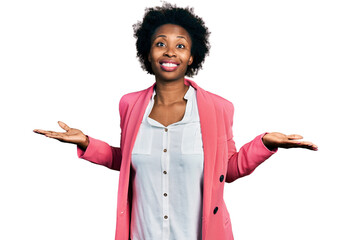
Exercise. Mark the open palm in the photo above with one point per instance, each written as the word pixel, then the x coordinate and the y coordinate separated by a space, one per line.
pixel 71 135
pixel 279 140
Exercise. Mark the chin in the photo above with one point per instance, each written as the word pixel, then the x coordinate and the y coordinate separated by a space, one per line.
pixel 170 77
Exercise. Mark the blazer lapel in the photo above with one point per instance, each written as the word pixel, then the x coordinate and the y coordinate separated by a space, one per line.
pixel 134 121
pixel 208 123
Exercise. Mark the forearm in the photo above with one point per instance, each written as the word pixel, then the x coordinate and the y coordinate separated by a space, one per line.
pixel 101 153
pixel 250 156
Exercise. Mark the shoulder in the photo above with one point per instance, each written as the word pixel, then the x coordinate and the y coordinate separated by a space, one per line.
pixel 130 98
pixel 219 102
pixel 128 101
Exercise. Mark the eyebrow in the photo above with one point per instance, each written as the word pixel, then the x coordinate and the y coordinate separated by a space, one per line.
pixel 166 37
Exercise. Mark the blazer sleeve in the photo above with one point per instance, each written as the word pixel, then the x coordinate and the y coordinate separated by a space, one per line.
pixel 250 156
pixel 99 152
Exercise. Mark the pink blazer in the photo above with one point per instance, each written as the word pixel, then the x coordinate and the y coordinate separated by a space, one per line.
pixel 221 159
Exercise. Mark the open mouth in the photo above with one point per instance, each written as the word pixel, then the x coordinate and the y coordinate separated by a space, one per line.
pixel 169 66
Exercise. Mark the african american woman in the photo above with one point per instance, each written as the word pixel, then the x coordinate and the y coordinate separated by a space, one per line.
pixel 177 147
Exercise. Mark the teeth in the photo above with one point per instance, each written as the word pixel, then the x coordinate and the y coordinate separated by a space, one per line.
pixel 169 64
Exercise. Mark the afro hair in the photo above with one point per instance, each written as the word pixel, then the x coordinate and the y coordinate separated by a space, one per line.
pixel 171 14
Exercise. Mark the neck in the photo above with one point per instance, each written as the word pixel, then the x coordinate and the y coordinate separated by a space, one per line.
pixel 170 92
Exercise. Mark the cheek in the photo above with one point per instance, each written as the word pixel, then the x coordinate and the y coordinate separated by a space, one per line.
pixel 151 55
pixel 155 51
pixel 187 58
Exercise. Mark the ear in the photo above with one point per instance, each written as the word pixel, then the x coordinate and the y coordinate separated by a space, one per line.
pixel 190 60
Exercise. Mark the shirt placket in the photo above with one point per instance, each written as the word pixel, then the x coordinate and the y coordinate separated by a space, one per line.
pixel 165 185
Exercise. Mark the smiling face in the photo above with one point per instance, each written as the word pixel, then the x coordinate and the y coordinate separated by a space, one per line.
pixel 170 52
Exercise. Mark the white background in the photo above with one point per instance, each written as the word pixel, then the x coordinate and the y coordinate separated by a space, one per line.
pixel 284 64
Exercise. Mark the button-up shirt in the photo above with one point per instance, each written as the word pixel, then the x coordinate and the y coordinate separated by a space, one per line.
pixel 168 180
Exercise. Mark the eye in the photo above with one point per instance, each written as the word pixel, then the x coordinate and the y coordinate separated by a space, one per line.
pixel 181 46
pixel 160 44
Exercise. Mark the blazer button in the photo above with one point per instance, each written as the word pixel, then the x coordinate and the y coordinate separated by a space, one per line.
pixel 215 210
pixel 221 178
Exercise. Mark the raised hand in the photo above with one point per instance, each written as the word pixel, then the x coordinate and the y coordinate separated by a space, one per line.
pixel 72 135
pixel 278 140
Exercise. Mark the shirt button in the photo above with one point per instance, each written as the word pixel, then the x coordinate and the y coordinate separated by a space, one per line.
pixel 166 129
pixel 165 194
pixel 221 178
pixel 215 210
pixel 165 217
pixel 165 150
pixel 164 172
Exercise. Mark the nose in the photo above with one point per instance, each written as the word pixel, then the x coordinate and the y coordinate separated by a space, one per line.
pixel 169 52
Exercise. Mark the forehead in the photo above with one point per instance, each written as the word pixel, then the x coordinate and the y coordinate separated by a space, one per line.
pixel 171 29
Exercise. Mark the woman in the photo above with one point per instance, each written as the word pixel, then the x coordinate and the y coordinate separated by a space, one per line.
pixel 177 144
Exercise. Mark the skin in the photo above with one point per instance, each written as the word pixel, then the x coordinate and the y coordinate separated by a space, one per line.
pixel 170 42
pixel 173 42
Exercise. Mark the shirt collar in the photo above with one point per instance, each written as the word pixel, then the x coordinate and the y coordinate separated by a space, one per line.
pixel 188 115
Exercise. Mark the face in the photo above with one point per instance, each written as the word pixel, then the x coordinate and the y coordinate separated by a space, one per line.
pixel 170 53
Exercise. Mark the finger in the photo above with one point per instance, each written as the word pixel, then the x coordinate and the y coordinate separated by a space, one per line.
pixel 58 136
pixel 310 147
pixel 300 144
pixel 43 131
pixel 294 136
pixel 40 131
pixel 63 125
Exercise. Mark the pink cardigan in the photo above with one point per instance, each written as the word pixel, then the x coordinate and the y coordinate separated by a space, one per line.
pixel 221 159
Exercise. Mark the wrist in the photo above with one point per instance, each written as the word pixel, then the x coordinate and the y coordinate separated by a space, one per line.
pixel 84 144
pixel 268 144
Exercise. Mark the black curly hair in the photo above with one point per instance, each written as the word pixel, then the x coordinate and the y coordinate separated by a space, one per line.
pixel 171 14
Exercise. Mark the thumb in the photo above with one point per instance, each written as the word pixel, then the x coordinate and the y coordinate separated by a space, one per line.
pixel 294 137
pixel 63 125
